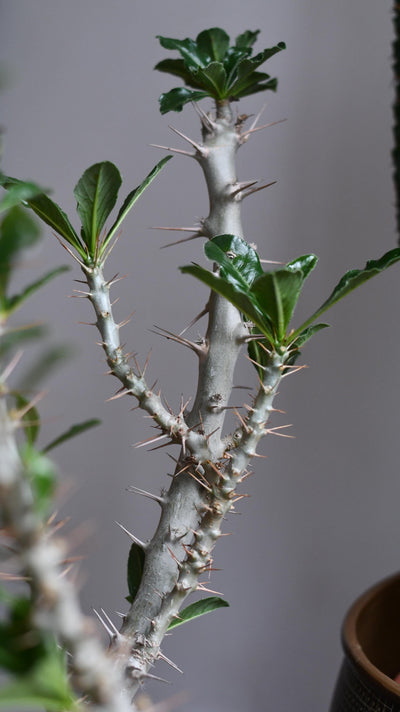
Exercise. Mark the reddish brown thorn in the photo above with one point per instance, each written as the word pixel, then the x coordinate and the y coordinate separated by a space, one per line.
pixel 185 239
pixel 70 252
pixel 174 150
pixel 200 149
pixel 176 229
pixel 196 318
pixel 245 134
pixel 201 587
pixel 119 394
pixel 126 321
pixel 142 443
pixel 115 279
pixel 179 563
pixel 255 190
pixel 132 536
pixel 200 482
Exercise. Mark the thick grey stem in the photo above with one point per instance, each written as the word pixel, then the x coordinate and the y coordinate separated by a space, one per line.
pixel 192 512
pixel 203 488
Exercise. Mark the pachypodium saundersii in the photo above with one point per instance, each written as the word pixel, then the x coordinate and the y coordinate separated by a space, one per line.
pixel 248 308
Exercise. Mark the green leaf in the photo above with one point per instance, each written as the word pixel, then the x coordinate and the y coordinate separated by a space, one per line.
pixel 307 334
pixel 243 258
pixel 212 45
pixel 19 193
pixel 31 419
pixel 213 79
pixel 17 233
pixel 199 608
pixel 15 301
pixel 52 215
pixel 304 336
pixel 351 280
pixel 178 68
pixel 96 194
pixel 46 685
pixel 257 86
pixel 131 199
pixel 187 48
pixel 240 299
pixel 15 657
pixel 135 569
pixel 251 84
pixel 43 476
pixel 246 39
pixel 175 99
pixel 15 337
pixel 258 355
pixel 209 63
pixel 72 432
pixel 305 264
pixel 277 294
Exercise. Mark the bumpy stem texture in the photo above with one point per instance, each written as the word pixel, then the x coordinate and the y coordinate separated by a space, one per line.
pixel 203 488
pixel 56 603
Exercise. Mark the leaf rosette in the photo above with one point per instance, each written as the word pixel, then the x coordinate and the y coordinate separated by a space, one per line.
pixel 210 67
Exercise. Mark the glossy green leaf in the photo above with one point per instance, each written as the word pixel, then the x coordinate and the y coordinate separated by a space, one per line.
pixel 187 48
pixel 305 264
pixel 199 608
pixel 135 569
pixel 176 99
pixel 246 69
pixel 178 68
pixel 31 419
pixel 18 193
pixel 96 193
pixel 256 86
pixel 242 257
pixel 307 333
pixel 212 45
pixel 18 232
pixel 239 299
pixel 130 201
pixel 246 39
pixel 277 294
pixel 351 280
pixel 209 63
pixel 51 213
pixel 304 336
pixel 252 84
pixel 213 79
pixel 72 432
pixel 15 301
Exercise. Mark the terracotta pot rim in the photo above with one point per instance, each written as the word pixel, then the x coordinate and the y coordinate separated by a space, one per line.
pixel 350 641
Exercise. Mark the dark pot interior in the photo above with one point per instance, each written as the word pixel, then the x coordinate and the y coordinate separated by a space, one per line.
pixel 374 625
pixel 371 642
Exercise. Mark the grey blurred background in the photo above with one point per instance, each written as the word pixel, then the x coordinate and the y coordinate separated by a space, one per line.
pixel 322 521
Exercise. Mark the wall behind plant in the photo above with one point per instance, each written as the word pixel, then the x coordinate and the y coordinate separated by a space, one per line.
pixel 322 520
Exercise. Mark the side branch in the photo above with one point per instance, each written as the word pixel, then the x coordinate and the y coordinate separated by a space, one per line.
pixel 173 425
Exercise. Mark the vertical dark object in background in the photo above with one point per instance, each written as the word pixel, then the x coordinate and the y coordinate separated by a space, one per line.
pixel 396 111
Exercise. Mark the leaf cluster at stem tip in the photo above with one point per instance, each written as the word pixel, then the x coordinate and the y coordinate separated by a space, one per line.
pixel 96 194
pixel 268 299
pixel 210 67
